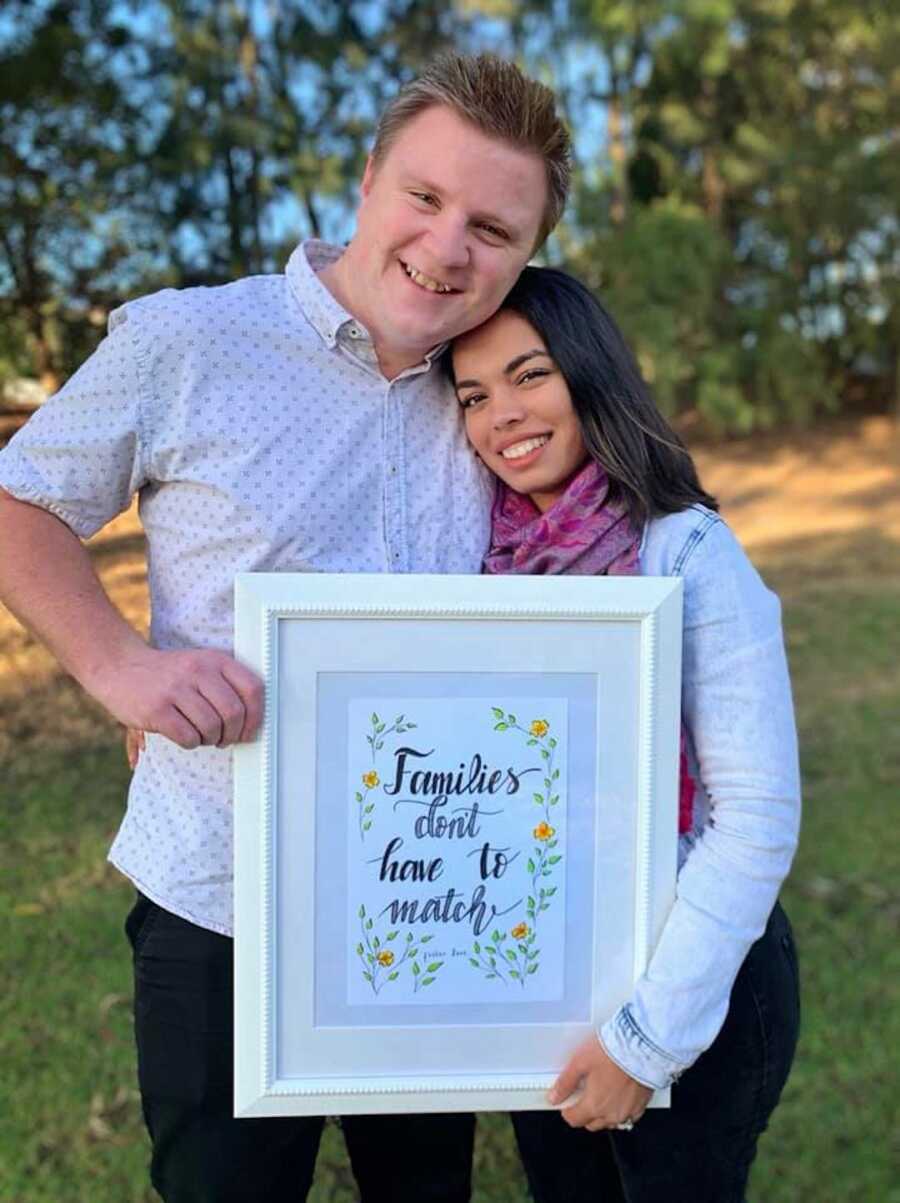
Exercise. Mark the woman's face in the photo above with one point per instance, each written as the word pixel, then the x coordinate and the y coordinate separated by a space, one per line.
pixel 518 412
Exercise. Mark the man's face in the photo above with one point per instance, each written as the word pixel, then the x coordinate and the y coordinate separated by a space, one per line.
pixel 446 223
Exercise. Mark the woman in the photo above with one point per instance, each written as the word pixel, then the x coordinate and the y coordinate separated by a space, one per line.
pixel 592 480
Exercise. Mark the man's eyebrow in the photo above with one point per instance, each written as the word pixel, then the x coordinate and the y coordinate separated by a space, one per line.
pixel 510 367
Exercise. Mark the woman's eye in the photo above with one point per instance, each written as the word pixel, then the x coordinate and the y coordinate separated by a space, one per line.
pixel 532 374
pixel 473 399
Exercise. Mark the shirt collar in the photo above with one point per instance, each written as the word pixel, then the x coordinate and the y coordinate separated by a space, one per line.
pixel 325 314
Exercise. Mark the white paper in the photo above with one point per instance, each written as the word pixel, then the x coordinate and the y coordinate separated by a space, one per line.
pixel 456 865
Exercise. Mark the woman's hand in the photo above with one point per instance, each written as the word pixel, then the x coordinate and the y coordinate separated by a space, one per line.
pixel 608 1098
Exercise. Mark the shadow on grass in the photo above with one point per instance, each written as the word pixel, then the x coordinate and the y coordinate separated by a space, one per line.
pixel 65 1035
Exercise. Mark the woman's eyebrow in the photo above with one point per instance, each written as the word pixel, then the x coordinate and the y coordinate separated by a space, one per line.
pixel 523 358
pixel 510 367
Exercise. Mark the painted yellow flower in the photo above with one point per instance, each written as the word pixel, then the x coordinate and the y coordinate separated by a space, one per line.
pixel 519 932
pixel 385 957
pixel 539 728
pixel 544 831
pixel 370 779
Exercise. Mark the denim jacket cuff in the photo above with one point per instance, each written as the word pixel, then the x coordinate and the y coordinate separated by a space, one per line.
pixel 640 1058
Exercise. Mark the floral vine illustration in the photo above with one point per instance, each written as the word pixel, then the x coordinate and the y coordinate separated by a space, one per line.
pixel 381 964
pixel 370 779
pixel 521 959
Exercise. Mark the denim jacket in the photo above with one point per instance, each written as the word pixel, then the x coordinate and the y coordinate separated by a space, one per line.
pixel 742 752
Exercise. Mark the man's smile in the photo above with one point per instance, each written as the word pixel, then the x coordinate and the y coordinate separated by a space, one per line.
pixel 427 282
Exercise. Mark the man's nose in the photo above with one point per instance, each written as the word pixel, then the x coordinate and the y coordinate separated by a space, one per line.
pixel 449 241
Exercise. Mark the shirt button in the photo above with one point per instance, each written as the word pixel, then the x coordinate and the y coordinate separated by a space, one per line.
pixel 354 332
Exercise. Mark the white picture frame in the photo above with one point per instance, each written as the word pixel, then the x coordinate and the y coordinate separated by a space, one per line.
pixel 331 1014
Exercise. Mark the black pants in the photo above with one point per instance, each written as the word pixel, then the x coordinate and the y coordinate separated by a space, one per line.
pixel 184 1004
pixel 699 1151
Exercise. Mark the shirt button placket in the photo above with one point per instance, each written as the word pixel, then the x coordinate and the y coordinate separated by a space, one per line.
pixel 394 482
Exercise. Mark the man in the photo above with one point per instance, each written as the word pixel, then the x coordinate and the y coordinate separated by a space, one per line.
pixel 279 423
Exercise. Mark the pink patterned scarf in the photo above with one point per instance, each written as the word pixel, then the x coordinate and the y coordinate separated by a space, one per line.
pixel 581 533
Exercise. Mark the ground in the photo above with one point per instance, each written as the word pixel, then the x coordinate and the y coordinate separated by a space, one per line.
pixel 819 513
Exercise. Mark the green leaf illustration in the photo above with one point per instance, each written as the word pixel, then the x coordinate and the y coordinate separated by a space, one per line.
pixel 368 925
pixel 530 866
pixel 550 891
pixel 359 949
pixel 409 937
pixel 497 712
pixel 425 939
pixel 533 968
pixel 367 976
pixel 489 948
pixel 375 719
pixel 392 935
pixel 376 941
pixel 500 727
pixel 477 946
pixel 358 796
pixel 393 976
pixel 362 911
pixel 496 935
pixel 433 967
pixel 510 955
pixel 554 860
pixel 472 961
pixel 379 745
pixel 552 743
pixel 398 719
pixel 511 719
pixel 514 973
pixel 367 824
pixel 368 809
pixel 545 754
pixel 411 726
pixel 426 981
pixel 555 774
pixel 546 783
pixel 538 797
pixel 415 968
pixel 380 728
pixel 531 900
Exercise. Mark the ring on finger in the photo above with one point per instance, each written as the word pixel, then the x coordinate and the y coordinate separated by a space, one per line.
pixel 626 1125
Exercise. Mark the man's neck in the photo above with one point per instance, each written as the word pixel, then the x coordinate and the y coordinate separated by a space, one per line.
pixel 337 278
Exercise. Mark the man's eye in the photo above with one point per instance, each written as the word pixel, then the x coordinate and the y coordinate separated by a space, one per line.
pixel 493 231
pixel 425 197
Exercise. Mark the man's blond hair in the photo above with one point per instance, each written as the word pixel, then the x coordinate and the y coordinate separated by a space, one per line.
pixel 498 99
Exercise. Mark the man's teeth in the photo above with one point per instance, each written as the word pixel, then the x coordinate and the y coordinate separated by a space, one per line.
pixel 520 449
pixel 425 281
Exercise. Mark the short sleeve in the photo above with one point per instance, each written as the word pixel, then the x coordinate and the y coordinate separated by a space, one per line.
pixel 82 455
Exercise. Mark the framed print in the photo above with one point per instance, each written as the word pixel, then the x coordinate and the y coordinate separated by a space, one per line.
pixel 456 836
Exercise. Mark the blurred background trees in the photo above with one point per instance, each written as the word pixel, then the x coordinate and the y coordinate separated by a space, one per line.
pixel 738 168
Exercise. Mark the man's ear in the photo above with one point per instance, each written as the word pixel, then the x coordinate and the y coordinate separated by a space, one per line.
pixel 368 177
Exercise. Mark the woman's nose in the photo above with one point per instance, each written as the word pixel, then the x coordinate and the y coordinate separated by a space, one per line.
pixel 506 411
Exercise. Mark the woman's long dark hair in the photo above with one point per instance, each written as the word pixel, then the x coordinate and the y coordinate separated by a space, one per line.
pixel 648 465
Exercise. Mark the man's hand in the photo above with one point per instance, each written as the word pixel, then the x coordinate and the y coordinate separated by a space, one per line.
pixel 192 697
pixel 608 1096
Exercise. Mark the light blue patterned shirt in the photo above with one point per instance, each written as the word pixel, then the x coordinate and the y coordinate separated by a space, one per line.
pixel 256 427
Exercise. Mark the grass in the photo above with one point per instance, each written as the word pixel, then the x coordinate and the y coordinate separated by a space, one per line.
pixel 71 1118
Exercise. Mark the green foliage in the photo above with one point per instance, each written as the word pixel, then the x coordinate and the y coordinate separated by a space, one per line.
pixel 736 170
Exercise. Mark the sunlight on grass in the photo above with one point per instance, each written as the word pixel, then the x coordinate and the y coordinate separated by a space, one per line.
pixel 73 1131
